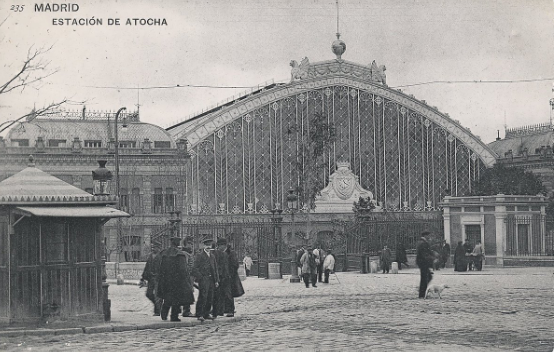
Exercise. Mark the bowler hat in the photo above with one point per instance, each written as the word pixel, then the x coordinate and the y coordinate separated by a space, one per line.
pixel 221 241
pixel 208 242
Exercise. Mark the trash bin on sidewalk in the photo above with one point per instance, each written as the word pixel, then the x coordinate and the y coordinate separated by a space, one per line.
pixel 394 268
pixel 373 267
pixel 274 271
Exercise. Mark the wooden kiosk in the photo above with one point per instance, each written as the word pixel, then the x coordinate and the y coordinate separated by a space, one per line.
pixel 52 260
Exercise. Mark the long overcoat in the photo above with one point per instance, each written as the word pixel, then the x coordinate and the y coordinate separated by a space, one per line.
pixel 236 285
pixel 174 284
pixel 308 263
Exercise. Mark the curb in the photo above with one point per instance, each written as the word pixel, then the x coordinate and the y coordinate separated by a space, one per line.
pixel 115 328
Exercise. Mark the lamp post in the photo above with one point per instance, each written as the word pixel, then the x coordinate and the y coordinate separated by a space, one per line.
pixel 174 220
pixel 276 220
pixel 116 157
pixel 292 204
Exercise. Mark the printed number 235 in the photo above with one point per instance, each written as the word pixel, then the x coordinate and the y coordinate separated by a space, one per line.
pixel 17 8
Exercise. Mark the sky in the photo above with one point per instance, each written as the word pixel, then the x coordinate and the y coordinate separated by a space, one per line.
pixel 219 44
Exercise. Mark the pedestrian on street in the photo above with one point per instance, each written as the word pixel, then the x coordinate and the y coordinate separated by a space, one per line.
pixel 328 265
pixel 386 259
pixel 309 268
pixel 401 257
pixel 150 279
pixel 224 289
pixel 460 261
pixel 247 263
pixel 479 255
pixel 319 258
pixel 299 254
pixel 424 260
pixel 236 285
pixel 175 285
pixel 206 274
pixel 188 244
pixel 468 249
pixel 445 254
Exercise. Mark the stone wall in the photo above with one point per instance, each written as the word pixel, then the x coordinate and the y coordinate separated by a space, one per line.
pixel 130 271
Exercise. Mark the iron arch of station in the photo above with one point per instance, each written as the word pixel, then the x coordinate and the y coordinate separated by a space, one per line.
pixel 407 153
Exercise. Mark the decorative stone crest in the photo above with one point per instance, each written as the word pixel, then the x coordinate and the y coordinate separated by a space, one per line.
pixel 299 71
pixel 342 191
pixel 377 73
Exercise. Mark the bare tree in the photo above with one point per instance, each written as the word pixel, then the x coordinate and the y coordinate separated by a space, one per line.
pixel 33 71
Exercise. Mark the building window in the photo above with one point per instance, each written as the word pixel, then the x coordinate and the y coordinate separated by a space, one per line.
pixel 20 142
pixel 134 203
pixel 131 248
pixel 169 200
pixel 162 144
pixel 158 203
pixel 127 144
pixel 124 199
pixel 93 144
pixel 56 143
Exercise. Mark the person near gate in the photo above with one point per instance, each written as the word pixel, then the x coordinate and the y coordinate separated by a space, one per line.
pixel 299 254
pixel 478 255
pixel 247 263
pixel 386 259
pixel 319 258
pixel 224 289
pixel 309 268
pixel 174 286
pixel 328 265
pixel 424 260
pixel 234 281
pixel 401 257
pixel 150 280
pixel 460 261
pixel 468 249
pixel 206 274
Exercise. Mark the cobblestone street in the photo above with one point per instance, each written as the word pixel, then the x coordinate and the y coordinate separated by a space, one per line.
pixel 493 310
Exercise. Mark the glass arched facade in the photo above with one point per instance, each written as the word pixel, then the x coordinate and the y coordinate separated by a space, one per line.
pixel 399 150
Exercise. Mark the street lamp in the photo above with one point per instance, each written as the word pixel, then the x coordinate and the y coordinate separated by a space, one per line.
pixel 276 220
pixel 116 157
pixel 292 205
pixel 174 219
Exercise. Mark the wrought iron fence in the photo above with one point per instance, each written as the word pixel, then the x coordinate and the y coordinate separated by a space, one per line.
pixel 529 236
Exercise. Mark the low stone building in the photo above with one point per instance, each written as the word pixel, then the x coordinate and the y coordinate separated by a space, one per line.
pixel 511 228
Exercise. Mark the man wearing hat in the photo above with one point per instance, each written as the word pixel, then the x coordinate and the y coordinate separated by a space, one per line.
pixel 224 288
pixel 175 285
pixel 188 244
pixel 206 274
pixel 150 275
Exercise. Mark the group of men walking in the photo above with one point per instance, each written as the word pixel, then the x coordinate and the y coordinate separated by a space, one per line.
pixel 171 275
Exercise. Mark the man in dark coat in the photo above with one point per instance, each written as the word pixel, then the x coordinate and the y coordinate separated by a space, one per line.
pixel 206 274
pixel 445 254
pixel 386 259
pixel 224 288
pixel 175 285
pixel 401 257
pixel 424 260
pixel 468 249
pixel 460 261
pixel 236 289
pixel 188 248
pixel 150 275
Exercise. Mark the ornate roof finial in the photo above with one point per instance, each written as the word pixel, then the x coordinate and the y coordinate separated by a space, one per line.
pixel 31 161
pixel 338 47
